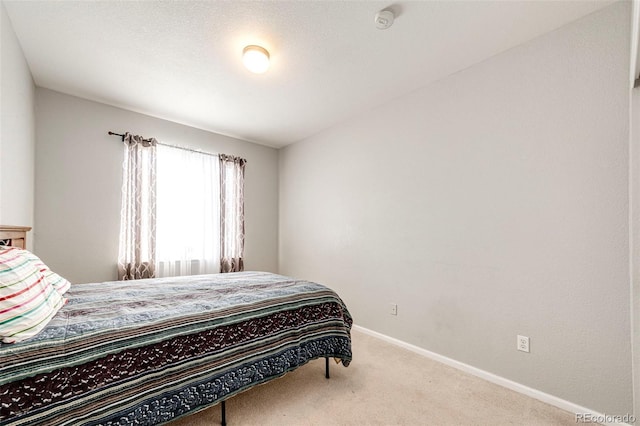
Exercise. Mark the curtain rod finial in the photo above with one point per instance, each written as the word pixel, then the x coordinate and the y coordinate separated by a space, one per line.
pixel 116 134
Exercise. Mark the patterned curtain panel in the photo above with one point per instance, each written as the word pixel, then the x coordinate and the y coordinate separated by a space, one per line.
pixel 136 258
pixel 231 213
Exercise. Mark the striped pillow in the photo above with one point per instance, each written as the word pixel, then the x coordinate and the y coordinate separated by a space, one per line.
pixel 59 283
pixel 27 300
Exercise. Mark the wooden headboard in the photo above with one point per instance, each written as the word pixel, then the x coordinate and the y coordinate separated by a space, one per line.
pixel 15 236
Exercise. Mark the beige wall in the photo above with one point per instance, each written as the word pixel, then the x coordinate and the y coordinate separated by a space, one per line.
pixel 635 251
pixel 489 204
pixel 17 138
pixel 634 216
pixel 79 175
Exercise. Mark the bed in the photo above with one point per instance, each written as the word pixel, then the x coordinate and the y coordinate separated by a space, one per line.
pixel 150 351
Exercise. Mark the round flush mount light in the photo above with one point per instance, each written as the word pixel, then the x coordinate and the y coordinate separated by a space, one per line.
pixel 384 19
pixel 255 59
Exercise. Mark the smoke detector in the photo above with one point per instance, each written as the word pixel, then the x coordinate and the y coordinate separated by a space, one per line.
pixel 384 19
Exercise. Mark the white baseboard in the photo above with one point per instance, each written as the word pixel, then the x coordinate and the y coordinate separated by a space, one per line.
pixel 490 377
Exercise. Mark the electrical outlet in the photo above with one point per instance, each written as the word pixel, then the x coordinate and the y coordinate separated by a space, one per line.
pixel 523 343
pixel 394 309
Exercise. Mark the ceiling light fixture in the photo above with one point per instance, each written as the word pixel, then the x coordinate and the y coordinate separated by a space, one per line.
pixel 255 59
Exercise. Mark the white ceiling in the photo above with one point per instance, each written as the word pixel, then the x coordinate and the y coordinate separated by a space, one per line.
pixel 180 60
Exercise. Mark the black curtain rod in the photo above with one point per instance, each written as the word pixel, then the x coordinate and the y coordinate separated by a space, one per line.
pixel 172 146
pixel 122 136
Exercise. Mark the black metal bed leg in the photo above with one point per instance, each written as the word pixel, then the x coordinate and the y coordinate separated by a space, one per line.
pixel 223 422
pixel 326 367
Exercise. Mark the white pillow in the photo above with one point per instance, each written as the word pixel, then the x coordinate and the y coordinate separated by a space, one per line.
pixel 59 283
pixel 28 301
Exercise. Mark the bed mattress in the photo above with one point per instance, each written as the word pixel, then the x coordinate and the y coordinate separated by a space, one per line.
pixel 149 351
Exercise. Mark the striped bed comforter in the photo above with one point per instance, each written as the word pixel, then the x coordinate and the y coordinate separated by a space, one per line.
pixel 149 351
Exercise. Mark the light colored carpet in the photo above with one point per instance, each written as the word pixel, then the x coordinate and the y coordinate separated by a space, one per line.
pixel 384 385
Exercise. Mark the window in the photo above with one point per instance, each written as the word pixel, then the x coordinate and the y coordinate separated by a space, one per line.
pixel 182 211
pixel 187 212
